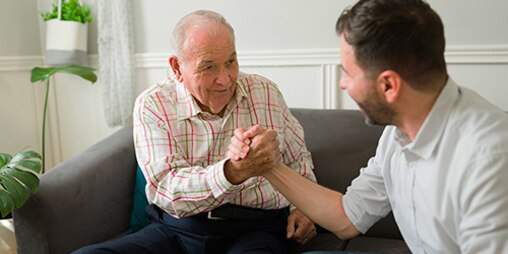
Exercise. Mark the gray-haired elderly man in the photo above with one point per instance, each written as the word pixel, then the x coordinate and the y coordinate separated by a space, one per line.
pixel 200 201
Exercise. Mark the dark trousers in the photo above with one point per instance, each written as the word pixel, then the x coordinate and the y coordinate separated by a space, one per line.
pixel 198 234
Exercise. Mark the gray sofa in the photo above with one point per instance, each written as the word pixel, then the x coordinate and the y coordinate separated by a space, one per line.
pixel 88 198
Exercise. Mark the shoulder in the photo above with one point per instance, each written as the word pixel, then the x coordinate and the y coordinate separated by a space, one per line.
pixel 254 82
pixel 164 91
pixel 482 126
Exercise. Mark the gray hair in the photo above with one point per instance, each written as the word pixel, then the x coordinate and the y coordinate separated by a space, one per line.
pixel 178 35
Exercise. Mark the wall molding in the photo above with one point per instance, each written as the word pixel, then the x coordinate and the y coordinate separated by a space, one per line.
pixel 458 54
pixel 20 63
pixel 484 54
pixel 495 54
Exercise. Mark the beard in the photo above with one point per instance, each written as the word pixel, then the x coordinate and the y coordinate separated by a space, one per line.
pixel 375 111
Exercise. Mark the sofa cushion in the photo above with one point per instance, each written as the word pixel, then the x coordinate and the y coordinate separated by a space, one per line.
pixel 324 241
pixel 378 245
pixel 138 217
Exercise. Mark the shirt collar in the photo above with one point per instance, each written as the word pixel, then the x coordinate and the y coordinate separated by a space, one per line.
pixel 188 106
pixel 433 127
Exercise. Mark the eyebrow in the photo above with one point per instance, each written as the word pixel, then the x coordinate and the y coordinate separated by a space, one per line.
pixel 206 62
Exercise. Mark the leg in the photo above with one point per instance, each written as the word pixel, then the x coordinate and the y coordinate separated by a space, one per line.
pixel 259 242
pixel 154 238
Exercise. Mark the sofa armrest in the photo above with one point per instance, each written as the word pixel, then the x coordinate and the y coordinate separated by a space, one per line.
pixel 85 199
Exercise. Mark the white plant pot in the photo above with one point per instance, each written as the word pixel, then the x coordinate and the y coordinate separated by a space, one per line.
pixel 66 42
pixel 7 237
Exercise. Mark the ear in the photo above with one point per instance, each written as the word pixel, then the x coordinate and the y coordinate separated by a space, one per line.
pixel 176 67
pixel 389 83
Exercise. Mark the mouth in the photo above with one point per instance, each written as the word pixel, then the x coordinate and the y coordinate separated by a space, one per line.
pixel 221 91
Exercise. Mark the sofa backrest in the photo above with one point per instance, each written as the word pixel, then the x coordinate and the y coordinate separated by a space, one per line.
pixel 341 144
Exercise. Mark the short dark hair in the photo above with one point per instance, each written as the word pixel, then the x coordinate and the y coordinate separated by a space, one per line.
pixel 406 36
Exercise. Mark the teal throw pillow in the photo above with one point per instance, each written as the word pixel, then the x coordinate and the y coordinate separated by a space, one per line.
pixel 138 216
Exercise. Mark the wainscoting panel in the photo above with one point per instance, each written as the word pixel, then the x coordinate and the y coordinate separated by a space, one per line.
pixel 19 126
pixel 301 86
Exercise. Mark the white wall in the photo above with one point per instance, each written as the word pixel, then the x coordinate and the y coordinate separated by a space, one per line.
pixel 291 42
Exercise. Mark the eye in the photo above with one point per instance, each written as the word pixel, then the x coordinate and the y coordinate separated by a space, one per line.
pixel 230 62
pixel 207 68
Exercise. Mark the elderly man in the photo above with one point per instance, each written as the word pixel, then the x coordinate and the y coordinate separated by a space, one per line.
pixel 201 202
pixel 442 163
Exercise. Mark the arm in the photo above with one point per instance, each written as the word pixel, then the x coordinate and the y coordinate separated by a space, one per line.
pixel 483 227
pixel 174 182
pixel 366 200
pixel 183 172
pixel 322 205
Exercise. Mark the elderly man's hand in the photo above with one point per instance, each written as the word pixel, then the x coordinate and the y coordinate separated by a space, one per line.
pixel 252 152
pixel 300 228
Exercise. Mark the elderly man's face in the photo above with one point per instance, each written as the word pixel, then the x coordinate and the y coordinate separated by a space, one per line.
pixel 210 68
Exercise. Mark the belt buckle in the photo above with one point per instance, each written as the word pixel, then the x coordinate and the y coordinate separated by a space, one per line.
pixel 211 217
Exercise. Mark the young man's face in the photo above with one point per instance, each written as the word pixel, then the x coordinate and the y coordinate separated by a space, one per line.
pixel 362 88
pixel 210 68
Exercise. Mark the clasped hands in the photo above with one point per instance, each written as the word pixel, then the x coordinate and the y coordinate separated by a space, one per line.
pixel 253 152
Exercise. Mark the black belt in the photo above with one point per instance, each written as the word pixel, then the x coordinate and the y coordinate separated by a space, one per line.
pixel 236 212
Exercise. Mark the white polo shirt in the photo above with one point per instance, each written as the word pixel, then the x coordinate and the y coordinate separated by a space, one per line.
pixel 448 189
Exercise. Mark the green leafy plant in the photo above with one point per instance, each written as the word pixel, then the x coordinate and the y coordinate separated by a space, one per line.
pixel 72 10
pixel 18 178
pixel 44 74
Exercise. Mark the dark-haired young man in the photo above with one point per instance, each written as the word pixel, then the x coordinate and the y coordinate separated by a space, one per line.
pixel 442 162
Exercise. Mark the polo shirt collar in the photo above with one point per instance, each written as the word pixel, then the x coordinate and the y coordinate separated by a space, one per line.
pixel 434 125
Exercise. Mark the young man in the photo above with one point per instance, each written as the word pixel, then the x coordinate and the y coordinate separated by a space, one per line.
pixel 200 201
pixel 442 162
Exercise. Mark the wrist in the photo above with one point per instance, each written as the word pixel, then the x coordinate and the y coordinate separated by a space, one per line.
pixel 231 173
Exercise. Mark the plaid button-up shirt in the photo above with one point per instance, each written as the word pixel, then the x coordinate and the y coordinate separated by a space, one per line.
pixel 181 149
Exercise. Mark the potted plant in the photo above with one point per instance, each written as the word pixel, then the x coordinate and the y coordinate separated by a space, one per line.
pixel 66 32
pixel 18 178
pixel 44 74
pixel 19 173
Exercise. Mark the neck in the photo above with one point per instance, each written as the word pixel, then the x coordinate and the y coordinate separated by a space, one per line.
pixel 211 111
pixel 414 109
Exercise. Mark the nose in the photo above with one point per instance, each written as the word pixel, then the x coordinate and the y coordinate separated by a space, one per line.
pixel 223 76
pixel 342 84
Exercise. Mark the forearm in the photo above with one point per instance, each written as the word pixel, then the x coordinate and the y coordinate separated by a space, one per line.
pixel 322 205
pixel 183 191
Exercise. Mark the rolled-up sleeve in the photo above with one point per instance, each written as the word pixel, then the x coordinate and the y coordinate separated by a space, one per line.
pixel 366 200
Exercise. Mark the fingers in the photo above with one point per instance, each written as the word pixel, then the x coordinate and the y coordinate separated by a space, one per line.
pixel 291 226
pixel 254 131
pixel 305 228
pixel 239 146
pixel 240 135
pixel 265 138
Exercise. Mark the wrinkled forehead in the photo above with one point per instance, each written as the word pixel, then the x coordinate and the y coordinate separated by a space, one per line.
pixel 211 37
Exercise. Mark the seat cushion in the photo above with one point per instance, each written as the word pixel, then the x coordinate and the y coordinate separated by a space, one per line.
pixel 138 216
pixel 324 241
pixel 377 245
